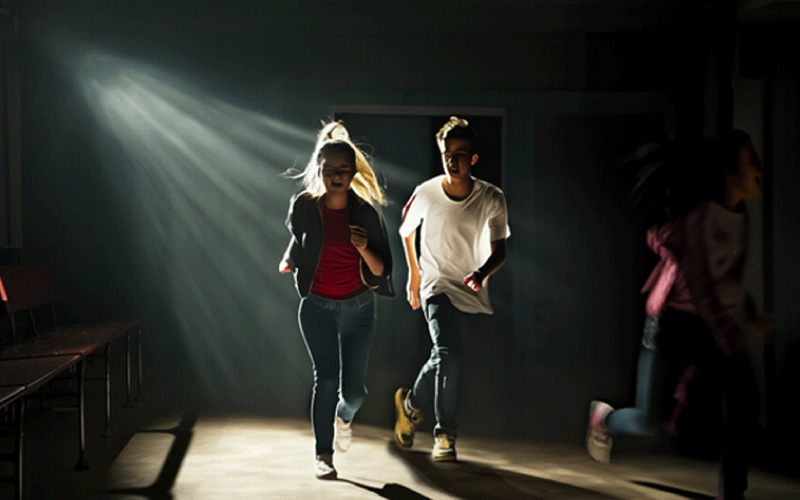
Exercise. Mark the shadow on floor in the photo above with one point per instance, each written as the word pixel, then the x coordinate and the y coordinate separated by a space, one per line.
pixel 161 489
pixel 391 491
pixel 693 495
pixel 470 480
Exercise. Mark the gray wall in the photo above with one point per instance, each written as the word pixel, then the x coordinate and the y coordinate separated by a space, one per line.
pixel 154 136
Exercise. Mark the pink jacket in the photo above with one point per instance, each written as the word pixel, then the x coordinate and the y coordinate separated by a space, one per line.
pixel 666 284
pixel 701 271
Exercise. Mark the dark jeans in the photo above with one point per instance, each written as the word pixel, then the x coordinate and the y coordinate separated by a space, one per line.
pixel 439 376
pixel 338 336
pixel 686 339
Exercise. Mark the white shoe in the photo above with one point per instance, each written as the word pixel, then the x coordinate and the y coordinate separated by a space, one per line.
pixel 598 441
pixel 323 467
pixel 342 435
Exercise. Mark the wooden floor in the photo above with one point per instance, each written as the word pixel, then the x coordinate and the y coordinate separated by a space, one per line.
pixel 158 453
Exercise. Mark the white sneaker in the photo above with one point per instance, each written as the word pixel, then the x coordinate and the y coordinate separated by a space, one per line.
pixel 342 435
pixel 323 467
pixel 598 442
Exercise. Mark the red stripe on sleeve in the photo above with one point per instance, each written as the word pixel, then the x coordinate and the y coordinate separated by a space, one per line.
pixel 405 208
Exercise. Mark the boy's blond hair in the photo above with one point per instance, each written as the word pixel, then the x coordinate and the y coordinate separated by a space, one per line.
pixel 456 128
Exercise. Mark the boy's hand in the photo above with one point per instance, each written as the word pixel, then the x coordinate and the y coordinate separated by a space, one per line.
pixel 474 281
pixel 358 237
pixel 285 266
pixel 413 292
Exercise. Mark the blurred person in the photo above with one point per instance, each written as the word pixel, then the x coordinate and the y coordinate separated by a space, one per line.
pixel 698 311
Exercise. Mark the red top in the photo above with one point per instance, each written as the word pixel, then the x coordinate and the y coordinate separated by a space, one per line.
pixel 337 275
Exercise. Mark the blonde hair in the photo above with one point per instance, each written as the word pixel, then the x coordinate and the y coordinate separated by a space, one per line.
pixel 456 128
pixel 334 137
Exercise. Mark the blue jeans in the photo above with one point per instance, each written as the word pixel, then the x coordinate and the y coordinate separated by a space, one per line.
pixel 642 418
pixel 439 376
pixel 338 336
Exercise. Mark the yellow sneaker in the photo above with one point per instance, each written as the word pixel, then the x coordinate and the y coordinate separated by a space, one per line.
pixel 444 448
pixel 405 423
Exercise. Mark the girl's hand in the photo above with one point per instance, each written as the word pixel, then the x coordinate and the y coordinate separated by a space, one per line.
pixel 285 266
pixel 358 237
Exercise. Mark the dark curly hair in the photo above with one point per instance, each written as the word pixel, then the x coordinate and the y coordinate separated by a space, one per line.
pixel 668 180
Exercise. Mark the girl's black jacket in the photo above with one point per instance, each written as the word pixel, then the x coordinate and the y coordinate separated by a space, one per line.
pixel 304 221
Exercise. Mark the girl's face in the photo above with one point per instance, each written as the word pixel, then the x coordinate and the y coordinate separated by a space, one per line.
pixel 337 172
pixel 748 177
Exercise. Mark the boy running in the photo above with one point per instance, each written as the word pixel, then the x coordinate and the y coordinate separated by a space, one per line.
pixel 463 225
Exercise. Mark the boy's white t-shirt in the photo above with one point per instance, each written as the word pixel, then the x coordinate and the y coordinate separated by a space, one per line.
pixel 455 239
